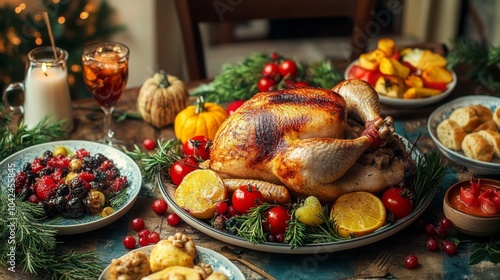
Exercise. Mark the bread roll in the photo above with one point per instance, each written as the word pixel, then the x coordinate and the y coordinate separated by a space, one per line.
pixel 482 112
pixel 487 125
pixel 493 137
pixel 450 134
pixel 496 116
pixel 476 147
pixel 466 117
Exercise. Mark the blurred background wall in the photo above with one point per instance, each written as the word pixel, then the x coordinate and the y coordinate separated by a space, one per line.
pixel 151 30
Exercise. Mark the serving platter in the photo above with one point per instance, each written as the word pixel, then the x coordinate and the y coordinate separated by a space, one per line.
pixel 443 112
pixel 168 189
pixel 14 164
pixel 216 260
pixel 411 103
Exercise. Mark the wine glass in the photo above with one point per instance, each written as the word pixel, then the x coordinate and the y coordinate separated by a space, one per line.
pixel 105 71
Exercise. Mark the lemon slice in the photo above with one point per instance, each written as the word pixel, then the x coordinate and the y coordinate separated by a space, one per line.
pixel 199 192
pixel 358 214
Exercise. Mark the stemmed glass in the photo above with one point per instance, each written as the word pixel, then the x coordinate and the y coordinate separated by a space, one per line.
pixel 105 71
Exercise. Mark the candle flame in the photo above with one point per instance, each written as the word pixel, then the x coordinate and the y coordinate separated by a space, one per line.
pixel 44 69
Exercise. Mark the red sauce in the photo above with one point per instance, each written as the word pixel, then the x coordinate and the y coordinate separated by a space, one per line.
pixel 457 203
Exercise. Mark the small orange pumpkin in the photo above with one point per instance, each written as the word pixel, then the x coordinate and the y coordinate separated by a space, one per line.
pixel 203 118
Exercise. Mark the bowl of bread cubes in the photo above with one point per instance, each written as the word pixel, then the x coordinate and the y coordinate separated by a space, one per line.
pixel 467 131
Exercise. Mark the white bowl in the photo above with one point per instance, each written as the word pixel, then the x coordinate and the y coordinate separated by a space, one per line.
pixel 443 112
pixel 411 103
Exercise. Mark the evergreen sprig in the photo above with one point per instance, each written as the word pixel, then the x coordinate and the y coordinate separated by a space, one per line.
pixel 13 140
pixel 239 81
pixel 35 244
pixel 482 59
pixel 159 160
pixel 249 226
pixel 429 172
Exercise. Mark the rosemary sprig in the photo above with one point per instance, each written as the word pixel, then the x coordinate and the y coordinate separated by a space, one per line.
pixel 326 232
pixel 119 199
pixel 430 170
pixel 324 74
pixel 151 163
pixel 296 233
pixel 13 140
pixel 35 244
pixel 249 226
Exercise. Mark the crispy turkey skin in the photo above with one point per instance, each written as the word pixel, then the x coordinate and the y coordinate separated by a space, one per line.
pixel 301 138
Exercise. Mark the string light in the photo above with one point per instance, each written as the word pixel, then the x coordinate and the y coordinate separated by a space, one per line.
pixel 38 41
pixel 61 20
pixel 84 15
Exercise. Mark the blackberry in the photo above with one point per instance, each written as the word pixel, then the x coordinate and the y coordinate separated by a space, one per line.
pixel 74 208
pixel 100 158
pixel 47 170
pixel 27 167
pixel 100 176
pixel 46 156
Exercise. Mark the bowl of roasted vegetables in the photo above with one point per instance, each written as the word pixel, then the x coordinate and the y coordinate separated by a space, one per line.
pixel 408 77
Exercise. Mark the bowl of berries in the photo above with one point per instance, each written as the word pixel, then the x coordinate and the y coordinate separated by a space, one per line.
pixel 80 185
pixel 474 206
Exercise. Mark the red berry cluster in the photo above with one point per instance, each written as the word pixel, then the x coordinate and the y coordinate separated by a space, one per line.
pixel 440 232
pixel 144 235
pixel 279 73
pixel 61 183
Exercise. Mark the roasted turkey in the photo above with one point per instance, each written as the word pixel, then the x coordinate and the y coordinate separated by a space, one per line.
pixel 313 141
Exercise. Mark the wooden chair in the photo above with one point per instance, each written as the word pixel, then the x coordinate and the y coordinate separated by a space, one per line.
pixel 193 12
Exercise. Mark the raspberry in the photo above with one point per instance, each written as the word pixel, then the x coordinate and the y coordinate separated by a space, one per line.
pixel 86 176
pixel 58 175
pixel 21 182
pixel 119 184
pixel 81 153
pixel 60 161
pixel 44 188
pixel 37 165
pixel 106 165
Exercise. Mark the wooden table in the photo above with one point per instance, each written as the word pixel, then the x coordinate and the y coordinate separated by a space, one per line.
pixel 344 264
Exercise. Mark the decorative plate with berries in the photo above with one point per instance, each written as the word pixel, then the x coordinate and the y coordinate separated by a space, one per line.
pixel 81 185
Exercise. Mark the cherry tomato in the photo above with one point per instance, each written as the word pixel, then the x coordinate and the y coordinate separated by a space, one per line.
pixel 198 146
pixel 154 237
pixel 411 261
pixel 445 223
pixel 266 84
pixel 138 224
pixel 449 247
pixel 129 242
pixel 276 220
pixel 221 207
pixel 233 106
pixel 143 241
pixel 181 168
pixel 432 244
pixel 270 70
pixel 173 219
pixel 397 202
pixel 246 197
pixel 159 206
pixel 144 233
pixel 288 68
pixel 430 230
pixel 149 144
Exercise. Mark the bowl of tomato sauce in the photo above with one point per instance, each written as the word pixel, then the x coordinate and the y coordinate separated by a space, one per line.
pixel 474 206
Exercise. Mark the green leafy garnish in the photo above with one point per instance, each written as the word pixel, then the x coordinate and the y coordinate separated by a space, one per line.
pixel 156 161
pixel 480 251
pixel 35 244
pixel 430 170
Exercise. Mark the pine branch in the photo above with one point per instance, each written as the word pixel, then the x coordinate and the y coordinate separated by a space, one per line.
pixel 45 131
pixel 160 160
pixel 36 246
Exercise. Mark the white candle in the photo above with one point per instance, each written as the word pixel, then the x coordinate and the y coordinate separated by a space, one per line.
pixel 47 93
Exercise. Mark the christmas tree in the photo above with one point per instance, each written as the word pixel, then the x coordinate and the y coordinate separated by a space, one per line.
pixel 73 23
